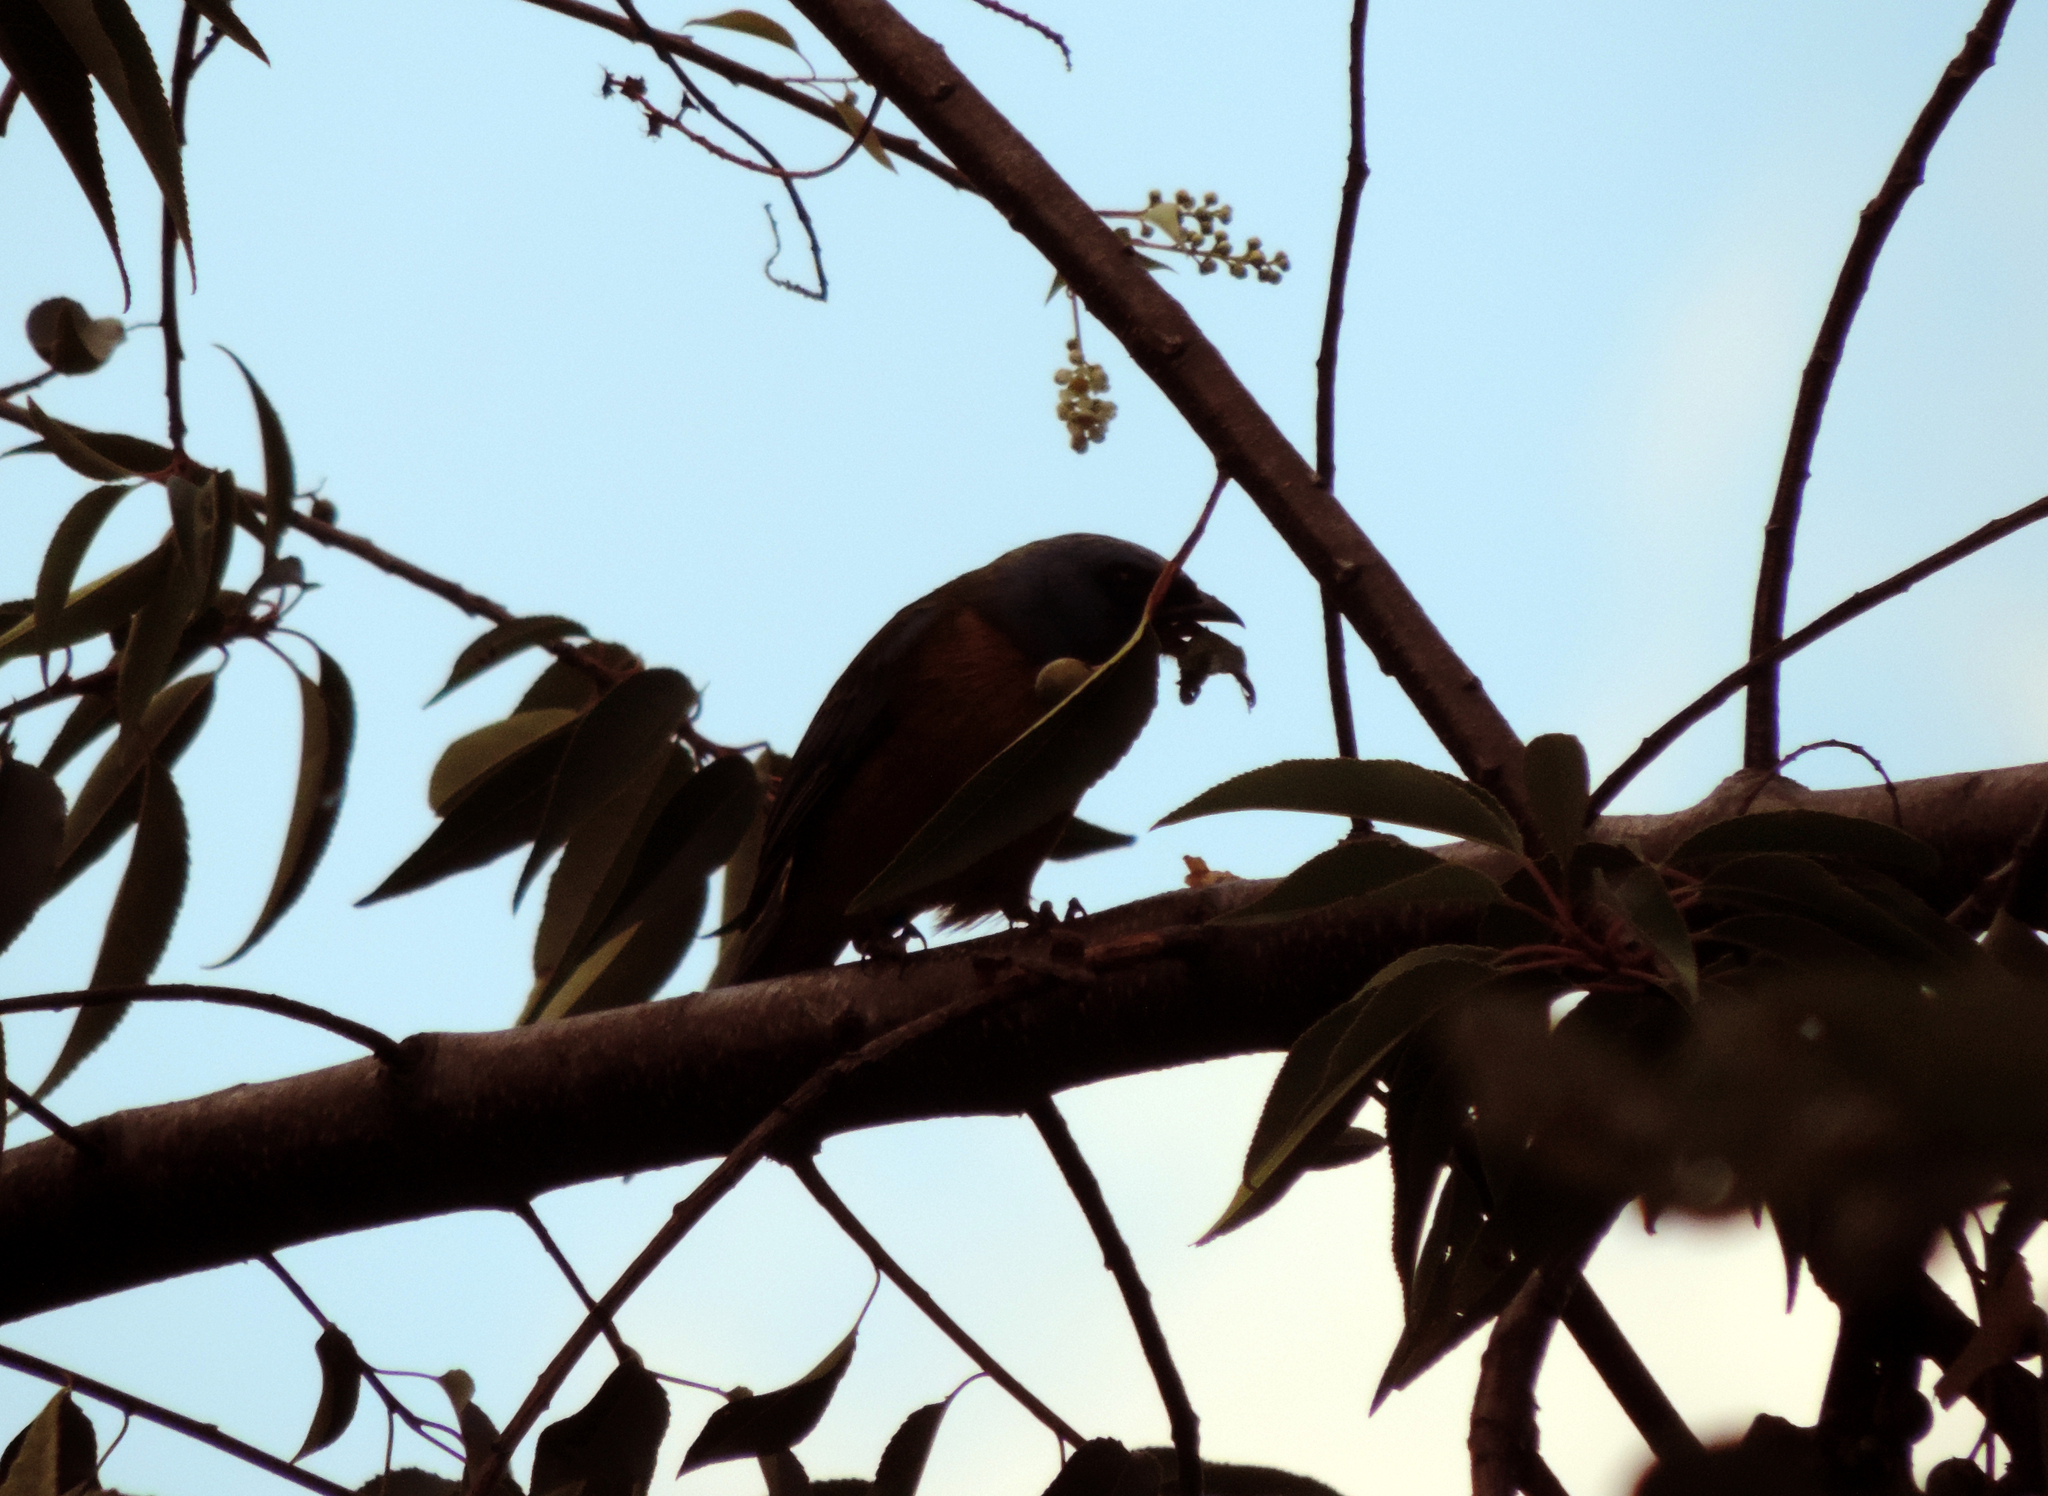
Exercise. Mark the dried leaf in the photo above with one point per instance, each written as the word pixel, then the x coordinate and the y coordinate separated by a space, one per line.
pixel 849 111
pixel 69 339
pixel 341 1384
pixel 1205 653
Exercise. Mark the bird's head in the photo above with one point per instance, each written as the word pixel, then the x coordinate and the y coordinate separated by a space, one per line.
pixel 1080 596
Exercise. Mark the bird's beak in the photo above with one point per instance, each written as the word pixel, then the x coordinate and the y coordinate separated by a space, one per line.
pixel 1201 608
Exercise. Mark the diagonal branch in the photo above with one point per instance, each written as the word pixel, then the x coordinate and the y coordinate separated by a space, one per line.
pixel 1909 169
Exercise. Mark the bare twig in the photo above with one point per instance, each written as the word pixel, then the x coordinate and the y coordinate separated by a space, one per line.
pixel 381 1045
pixel 1853 606
pixel 525 1212
pixel 1032 24
pixel 183 65
pixel 806 1171
pixel 163 1417
pixel 61 689
pixel 1909 168
pixel 1116 1256
pixel 1890 789
pixel 900 146
pixel 58 1127
pixel 1626 1376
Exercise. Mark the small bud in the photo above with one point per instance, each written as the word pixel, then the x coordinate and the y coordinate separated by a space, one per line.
pixel 1252 243
pixel 1061 376
pixel 1208 199
pixel 1237 272
pixel 1184 198
pixel 1152 197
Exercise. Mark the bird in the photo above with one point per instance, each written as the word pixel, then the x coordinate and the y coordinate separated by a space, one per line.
pixel 944 687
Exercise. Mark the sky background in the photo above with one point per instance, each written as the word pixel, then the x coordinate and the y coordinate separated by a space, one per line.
pixel 523 346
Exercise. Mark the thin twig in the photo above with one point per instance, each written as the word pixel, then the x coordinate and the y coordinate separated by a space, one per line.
pixel 900 146
pixel 1626 1376
pixel 806 1171
pixel 36 381
pixel 770 1133
pixel 1853 606
pixel 150 1412
pixel 182 68
pixel 10 95
pixel 61 689
pixel 1116 1256
pixel 525 1212
pixel 58 1127
pixel 1859 750
pixel 1909 170
pixel 1066 52
pixel 383 1046
pixel 631 89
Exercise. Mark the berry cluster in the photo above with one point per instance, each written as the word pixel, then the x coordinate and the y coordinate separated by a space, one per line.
pixel 1081 406
pixel 1200 230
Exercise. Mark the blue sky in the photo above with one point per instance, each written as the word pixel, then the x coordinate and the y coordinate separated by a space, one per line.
pixel 522 345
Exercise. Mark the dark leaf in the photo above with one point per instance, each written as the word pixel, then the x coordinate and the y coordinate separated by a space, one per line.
pixel 1813 833
pixel 222 15
pixel 327 731
pixel 1103 1467
pixel 479 1434
pixel 341 1383
pixel 599 860
pixel 1389 869
pixel 786 1475
pixel 102 604
pixel 69 339
pixel 1084 839
pixel 31 831
pixel 129 455
pixel 111 798
pixel 36 55
pixel 503 642
pixel 107 38
pixel 1354 1145
pixel 1464 1277
pixel 1425 1111
pixel 472 760
pixel 279 482
pixel 1206 653
pixel 1641 898
pixel 1037 778
pixel 1375 789
pixel 740 868
pixel 1223 1479
pixel 92 716
pixel 565 683
pixel 608 1446
pixel 1778 882
pixel 903 1459
pixel 159 626
pixel 74 537
pixel 408 1480
pixel 771 1421
pixel 1554 768
pixel 57 1453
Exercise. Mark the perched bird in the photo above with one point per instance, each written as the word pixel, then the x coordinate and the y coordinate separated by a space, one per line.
pixel 946 685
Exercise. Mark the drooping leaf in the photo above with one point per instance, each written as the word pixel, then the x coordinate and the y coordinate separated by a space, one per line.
pixel 1390 869
pixel 1038 777
pixel 771 1421
pixel 56 1454
pixel 159 626
pixel 327 731
pixel 608 1446
pixel 1811 833
pixel 73 538
pixel 600 858
pixel 341 1384
pixel 279 481
pixel 848 109
pixel 751 23
pixel 1425 1111
pixel 1165 217
pixel 503 642
pixel 1466 1275
pixel 102 604
pixel 70 339
pixel 129 456
pixel 35 53
pixel 222 14
pixel 472 759
pixel 903 1458
pixel 111 797
pixel 31 831
pixel 1375 789
pixel 1084 839
pixel 613 742
pixel 1554 768
pixel 1642 899
pixel 1326 1072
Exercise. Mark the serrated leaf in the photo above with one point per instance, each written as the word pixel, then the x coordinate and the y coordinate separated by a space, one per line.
pixel 222 14
pixel 327 731
pixel 103 604
pixel 111 797
pixel 1641 898
pixel 69 339
pixel 1554 769
pixel 35 53
pixel 1466 1275
pixel 741 868
pixel 469 761
pixel 1375 789
pixel 91 716
pixel 341 1384
pixel 1038 777
pixel 73 538
pixel 57 1453
pixel 279 481
pixel 1326 1072
pixel 1082 838
pixel 1354 1145
pixel 503 642
pixel 1355 869
pixel 751 23
pixel 848 109
pixel 1813 833
pixel 903 1459
pixel 613 742
pixel 607 1447
pixel 31 831
pixel 771 1421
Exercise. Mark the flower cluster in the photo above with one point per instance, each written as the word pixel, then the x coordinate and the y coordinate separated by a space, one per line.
pixel 1200 229
pixel 1081 406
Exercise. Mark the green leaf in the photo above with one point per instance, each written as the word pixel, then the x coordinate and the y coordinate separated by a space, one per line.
pixel 1641 898
pixel 741 867
pixel 327 731
pixel 37 56
pixel 468 762
pixel 1466 1275
pixel 848 109
pixel 1389 870
pixel 222 15
pixel 1375 789
pixel 69 339
pixel 74 537
pixel 341 1384
pixel 631 725
pixel 111 798
pixel 101 605
pixel 1554 768
pixel 608 1446
pixel 1082 838
pixel 752 23
pixel 65 445
pixel 770 1421
pixel 566 683
pixel 600 858
pixel 92 716
pixel 1813 833
pixel 1038 778
pixel 503 642
pixel 58 1453
pixel 279 482
pixel 1326 1073
pixel 31 831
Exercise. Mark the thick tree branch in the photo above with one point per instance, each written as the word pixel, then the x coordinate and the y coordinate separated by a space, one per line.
pixel 1165 342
